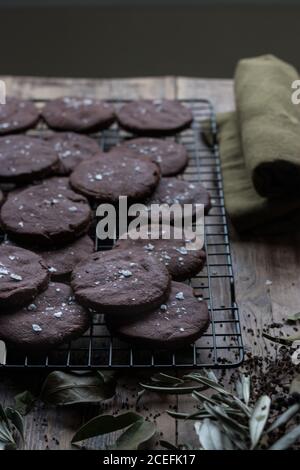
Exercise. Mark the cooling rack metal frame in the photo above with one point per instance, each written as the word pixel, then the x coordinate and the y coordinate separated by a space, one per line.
pixel 221 346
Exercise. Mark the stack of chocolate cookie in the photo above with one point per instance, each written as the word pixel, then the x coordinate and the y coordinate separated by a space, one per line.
pixel 133 286
pixel 36 314
pixel 49 183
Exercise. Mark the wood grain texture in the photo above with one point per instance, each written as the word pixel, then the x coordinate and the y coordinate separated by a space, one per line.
pixel 133 88
pixel 255 262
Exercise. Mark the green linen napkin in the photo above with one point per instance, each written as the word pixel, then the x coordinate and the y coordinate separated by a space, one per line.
pixel 269 125
pixel 247 209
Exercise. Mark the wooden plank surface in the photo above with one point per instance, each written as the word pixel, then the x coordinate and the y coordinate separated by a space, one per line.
pixel 255 261
pixel 133 88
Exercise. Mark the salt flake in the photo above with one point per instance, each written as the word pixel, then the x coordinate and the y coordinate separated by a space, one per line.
pixel 36 328
pixel 179 296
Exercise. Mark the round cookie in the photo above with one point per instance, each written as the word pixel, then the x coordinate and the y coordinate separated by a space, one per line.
pixel 121 282
pixel 181 262
pixel 78 114
pixel 176 191
pixel 24 159
pixel 154 117
pixel 53 318
pixel 49 214
pixel 62 261
pixel 23 275
pixel 17 115
pixel 113 174
pixel 175 324
pixel 170 156
pixel 72 149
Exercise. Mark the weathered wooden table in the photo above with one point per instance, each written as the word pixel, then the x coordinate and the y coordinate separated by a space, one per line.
pixel 255 261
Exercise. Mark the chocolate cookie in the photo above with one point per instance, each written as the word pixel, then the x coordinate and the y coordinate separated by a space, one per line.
pixel 181 261
pixel 175 324
pixel 176 191
pixel 49 214
pixel 78 114
pixel 157 117
pixel 17 115
pixel 72 149
pixel 24 159
pixel 53 318
pixel 23 275
pixel 121 282
pixel 171 157
pixel 113 174
pixel 62 261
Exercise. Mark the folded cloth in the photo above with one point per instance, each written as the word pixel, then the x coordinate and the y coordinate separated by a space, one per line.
pixel 269 124
pixel 248 210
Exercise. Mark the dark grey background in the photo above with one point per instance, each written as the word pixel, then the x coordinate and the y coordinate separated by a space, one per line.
pixel 131 38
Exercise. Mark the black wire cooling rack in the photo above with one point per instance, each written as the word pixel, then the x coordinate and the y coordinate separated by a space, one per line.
pixel 221 346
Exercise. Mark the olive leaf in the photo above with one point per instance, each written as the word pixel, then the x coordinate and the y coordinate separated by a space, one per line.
pixel 105 424
pixel 246 388
pixel 287 341
pixel 239 441
pixel 293 318
pixel 193 416
pixel 259 419
pixel 3 352
pixel 207 383
pixel 243 388
pixel 295 385
pixel 3 416
pixel 235 405
pixel 211 437
pixel 285 417
pixel 166 379
pixel 16 419
pixel 287 440
pixel 242 406
pixel 138 430
pixel 171 390
pixel 139 396
pixel 201 397
pixel 8 419
pixel 137 434
pixel 24 402
pixel 6 438
pixel 210 375
pixel 219 413
pixel 276 339
pixel 62 388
